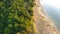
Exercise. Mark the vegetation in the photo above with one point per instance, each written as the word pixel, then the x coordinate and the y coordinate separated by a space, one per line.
pixel 16 16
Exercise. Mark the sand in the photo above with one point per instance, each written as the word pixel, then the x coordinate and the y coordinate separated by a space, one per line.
pixel 43 24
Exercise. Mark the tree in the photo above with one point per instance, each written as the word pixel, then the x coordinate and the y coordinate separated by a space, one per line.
pixel 15 17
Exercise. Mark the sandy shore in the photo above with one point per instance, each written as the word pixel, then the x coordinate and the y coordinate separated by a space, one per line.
pixel 43 24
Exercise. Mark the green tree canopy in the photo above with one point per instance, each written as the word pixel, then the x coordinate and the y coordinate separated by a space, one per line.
pixel 15 16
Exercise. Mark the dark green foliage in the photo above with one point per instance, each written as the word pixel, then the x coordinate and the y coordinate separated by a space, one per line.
pixel 1 0
pixel 26 0
pixel 15 16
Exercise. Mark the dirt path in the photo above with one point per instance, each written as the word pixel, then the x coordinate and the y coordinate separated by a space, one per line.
pixel 43 24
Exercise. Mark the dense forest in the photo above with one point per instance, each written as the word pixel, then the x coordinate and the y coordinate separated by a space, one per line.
pixel 16 16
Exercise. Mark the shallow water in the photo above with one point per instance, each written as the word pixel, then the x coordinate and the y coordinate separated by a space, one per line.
pixel 54 14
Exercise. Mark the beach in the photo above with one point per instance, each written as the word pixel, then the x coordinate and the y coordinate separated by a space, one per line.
pixel 43 24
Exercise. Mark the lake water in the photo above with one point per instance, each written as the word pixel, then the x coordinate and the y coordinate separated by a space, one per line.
pixel 53 13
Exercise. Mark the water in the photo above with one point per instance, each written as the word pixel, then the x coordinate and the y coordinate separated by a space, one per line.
pixel 53 13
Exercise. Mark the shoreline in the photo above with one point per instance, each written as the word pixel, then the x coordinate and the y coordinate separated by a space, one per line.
pixel 43 23
pixel 50 18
